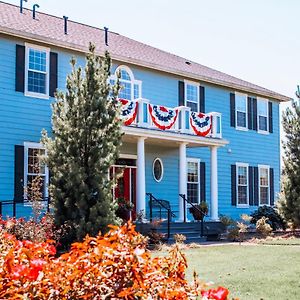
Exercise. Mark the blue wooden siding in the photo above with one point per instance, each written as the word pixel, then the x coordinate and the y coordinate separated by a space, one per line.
pixel 22 119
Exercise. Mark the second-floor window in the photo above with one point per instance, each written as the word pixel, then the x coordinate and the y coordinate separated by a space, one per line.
pixel 242 184
pixel 262 115
pixel 131 88
pixel 37 71
pixel 192 96
pixel 241 111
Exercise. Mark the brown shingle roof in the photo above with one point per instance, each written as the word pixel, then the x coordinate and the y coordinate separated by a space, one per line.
pixel 50 30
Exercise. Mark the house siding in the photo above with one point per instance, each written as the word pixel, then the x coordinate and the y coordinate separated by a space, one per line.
pixel 22 119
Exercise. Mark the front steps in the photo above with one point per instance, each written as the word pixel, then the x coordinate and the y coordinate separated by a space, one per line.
pixel 192 230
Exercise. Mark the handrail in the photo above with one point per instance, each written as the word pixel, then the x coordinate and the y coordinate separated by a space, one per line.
pixel 185 200
pixel 170 213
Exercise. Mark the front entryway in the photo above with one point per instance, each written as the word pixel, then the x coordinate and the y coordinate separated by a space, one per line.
pixel 125 171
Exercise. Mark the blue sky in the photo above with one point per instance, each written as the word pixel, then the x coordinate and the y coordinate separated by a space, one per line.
pixel 254 40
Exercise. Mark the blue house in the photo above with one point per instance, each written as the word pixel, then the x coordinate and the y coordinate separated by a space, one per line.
pixel 188 129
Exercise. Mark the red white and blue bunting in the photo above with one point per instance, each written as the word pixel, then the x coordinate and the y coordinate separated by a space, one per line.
pixel 201 123
pixel 128 111
pixel 163 117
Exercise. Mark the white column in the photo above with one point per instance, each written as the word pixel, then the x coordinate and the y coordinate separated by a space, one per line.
pixel 182 178
pixel 214 182
pixel 140 178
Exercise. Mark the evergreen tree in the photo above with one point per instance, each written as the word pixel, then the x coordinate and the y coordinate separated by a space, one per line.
pixel 290 198
pixel 85 143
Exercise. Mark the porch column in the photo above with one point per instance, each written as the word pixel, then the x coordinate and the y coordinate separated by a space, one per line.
pixel 182 179
pixel 214 182
pixel 140 178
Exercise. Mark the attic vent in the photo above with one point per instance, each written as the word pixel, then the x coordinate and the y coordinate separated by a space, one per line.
pixel 188 63
pixel 21 5
pixel 35 6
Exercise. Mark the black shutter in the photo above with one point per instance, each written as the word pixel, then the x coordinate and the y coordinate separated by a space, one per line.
pixel 270 117
pixel 255 183
pixel 271 186
pixel 180 93
pixel 250 113
pixel 19 173
pixel 233 185
pixel 254 103
pixel 250 183
pixel 53 74
pixel 232 109
pixel 202 99
pixel 202 182
pixel 20 68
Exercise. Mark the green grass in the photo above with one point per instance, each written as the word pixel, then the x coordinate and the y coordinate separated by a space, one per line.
pixel 292 242
pixel 249 271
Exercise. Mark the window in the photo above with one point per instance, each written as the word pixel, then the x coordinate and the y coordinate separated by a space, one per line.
pixel 262 115
pixel 192 96
pixel 33 167
pixel 242 184
pixel 193 180
pixel 264 185
pixel 241 111
pixel 158 169
pixel 37 71
pixel 131 88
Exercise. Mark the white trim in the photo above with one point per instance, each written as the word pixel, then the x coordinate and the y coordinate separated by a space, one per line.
pixel 128 156
pixel 33 145
pixel 267 116
pixel 194 160
pixel 245 165
pixel 246 112
pixel 197 85
pixel 268 194
pixel 162 169
pixel 47 50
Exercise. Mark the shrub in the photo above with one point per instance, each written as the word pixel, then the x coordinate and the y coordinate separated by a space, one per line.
pixel 179 238
pixel 274 219
pixel 114 266
pixel 263 227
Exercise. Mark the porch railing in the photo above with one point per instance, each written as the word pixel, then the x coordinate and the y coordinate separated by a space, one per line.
pixel 182 123
pixel 162 205
pixel 185 202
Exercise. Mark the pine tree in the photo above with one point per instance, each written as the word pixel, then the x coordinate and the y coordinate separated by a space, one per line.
pixel 85 143
pixel 290 198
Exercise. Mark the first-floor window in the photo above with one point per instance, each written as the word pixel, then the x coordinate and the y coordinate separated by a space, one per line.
pixel 36 172
pixel 193 182
pixel 264 185
pixel 242 184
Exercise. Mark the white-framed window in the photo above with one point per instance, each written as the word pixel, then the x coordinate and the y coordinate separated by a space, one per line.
pixel 242 185
pixel 193 180
pixel 264 184
pixel 158 169
pixel 241 119
pixel 262 115
pixel 37 71
pixel 131 88
pixel 33 167
pixel 191 95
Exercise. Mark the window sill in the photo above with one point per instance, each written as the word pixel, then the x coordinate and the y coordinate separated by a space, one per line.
pixel 241 128
pixel 263 132
pixel 242 206
pixel 36 95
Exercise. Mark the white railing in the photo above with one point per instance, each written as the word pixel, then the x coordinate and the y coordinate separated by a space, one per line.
pixel 182 124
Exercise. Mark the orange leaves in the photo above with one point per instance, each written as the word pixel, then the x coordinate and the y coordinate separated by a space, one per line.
pixel 116 266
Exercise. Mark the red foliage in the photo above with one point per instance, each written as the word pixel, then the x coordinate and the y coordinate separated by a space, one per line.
pixel 114 266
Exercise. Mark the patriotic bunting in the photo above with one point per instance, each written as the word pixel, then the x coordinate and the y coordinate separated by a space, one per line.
pixel 128 111
pixel 201 123
pixel 162 117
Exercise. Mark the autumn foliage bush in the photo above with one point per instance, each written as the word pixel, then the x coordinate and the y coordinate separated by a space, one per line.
pixel 114 266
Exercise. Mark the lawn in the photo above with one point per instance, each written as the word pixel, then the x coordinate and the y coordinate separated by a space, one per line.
pixel 249 271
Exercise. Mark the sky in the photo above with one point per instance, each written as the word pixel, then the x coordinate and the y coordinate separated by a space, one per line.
pixel 255 40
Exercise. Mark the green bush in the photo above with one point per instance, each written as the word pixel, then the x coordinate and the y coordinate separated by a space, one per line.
pixel 274 219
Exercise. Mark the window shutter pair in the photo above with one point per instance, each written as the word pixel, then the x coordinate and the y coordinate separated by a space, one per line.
pixel 253 186
pixel 252 113
pixel 201 96
pixel 20 70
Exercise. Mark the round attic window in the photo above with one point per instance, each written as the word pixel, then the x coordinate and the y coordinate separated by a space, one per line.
pixel 158 169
